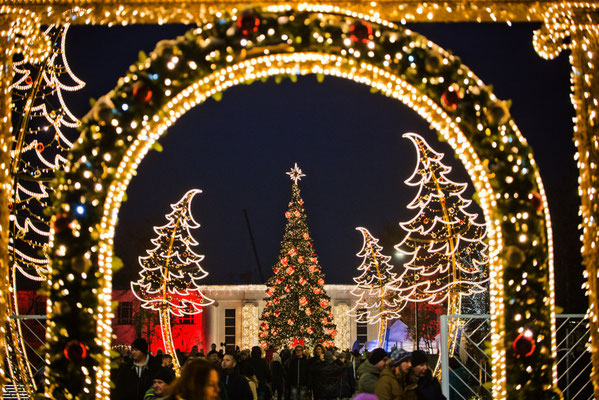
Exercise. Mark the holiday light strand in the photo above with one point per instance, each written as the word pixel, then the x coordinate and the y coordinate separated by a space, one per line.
pixel 375 303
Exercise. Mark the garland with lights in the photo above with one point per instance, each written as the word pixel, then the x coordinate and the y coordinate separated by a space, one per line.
pixel 298 309
pixel 170 275
pixel 233 49
pixel 374 303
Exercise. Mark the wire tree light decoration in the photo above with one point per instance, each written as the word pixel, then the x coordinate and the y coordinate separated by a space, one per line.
pixel 373 288
pixel 43 133
pixel 39 118
pixel 448 255
pixel 171 272
pixel 298 309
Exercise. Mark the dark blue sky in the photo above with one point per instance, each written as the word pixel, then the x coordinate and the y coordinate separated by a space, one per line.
pixel 347 141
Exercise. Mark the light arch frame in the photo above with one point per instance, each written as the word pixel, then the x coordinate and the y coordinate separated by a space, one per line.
pixel 94 232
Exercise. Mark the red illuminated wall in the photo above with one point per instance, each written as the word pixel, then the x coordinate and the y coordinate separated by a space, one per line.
pixel 185 335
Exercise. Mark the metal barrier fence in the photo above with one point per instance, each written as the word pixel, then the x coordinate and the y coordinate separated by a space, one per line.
pixel 33 337
pixel 466 374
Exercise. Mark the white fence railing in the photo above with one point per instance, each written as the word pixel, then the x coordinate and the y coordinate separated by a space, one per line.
pixel 466 374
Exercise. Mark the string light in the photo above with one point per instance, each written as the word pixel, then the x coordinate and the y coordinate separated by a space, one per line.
pixel 375 304
pixel 170 275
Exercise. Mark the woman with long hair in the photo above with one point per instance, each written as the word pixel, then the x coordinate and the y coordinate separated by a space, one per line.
pixel 198 381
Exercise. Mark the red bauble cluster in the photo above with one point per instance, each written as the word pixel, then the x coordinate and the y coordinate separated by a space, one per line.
pixel 290 321
pixel 142 93
pixel 248 24
pixel 537 202
pixel 524 345
pixel 308 311
pixel 61 222
pixel 451 98
pixel 321 281
pixel 290 270
pixel 360 32
pixel 324 303
pixel 75 351
pixel 303 301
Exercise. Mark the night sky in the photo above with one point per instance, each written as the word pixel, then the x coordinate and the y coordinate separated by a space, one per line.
pixel 347 141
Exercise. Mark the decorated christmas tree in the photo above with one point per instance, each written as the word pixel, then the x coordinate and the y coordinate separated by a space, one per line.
pixel 170 275
pixel 298 310
pixel 448 255
pixel 374 287
pixel 43 134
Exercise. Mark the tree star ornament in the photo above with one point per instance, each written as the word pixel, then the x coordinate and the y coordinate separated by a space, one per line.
pixel 295 174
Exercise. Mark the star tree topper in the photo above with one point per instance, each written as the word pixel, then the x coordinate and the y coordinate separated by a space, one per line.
pixel 295 174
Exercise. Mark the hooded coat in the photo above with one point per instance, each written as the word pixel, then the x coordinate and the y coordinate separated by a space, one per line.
pixel 368 375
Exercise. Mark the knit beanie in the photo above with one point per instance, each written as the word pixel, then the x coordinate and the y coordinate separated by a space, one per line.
pixel 164 374
pixel 400 356
pixel 377 355
pixel 419 357
pixel 140 344
pixel 328 356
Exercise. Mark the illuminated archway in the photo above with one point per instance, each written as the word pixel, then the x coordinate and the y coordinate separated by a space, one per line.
pixel 181 73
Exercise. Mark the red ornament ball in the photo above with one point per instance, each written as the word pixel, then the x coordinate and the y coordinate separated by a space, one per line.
pixel 537 202
pixel 290 321
pixel 316 290
pixel 303 301
pixel 290 270
pixel 308 311
pixel 248 23
pixel 39 147
pixel 524 344
pixel 321 281
pixel 75 351
pixel 142 93
pixel 29 80
pixel 277 313
pixel 360 32
pixel 61 222
pixel 324 303
pixel 451 98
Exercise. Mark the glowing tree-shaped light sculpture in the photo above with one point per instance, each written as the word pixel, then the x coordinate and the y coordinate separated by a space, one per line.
pixel 446 245
pixel 375 302
pixel 43 132
pixel 171 271
pixel 39 116
pixel 298 310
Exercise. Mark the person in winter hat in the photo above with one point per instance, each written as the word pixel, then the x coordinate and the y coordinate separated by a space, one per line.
pixel 394 382
pixel 134 378
pixel 370 370
pixel 429 387
pixel 326 378
pixel 162 379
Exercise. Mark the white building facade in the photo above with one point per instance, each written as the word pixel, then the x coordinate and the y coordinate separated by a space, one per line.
pixel 233 319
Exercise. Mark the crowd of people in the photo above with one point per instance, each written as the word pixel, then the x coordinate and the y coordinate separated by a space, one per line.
pixel 272 375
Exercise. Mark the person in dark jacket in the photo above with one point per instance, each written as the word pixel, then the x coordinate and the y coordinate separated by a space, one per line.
pixel 260 369
pixel 347 386
pixel 134 378
pixel 298 375
pixel 429 387
pixel 327 378
pixel 277 374
pixel 236 385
